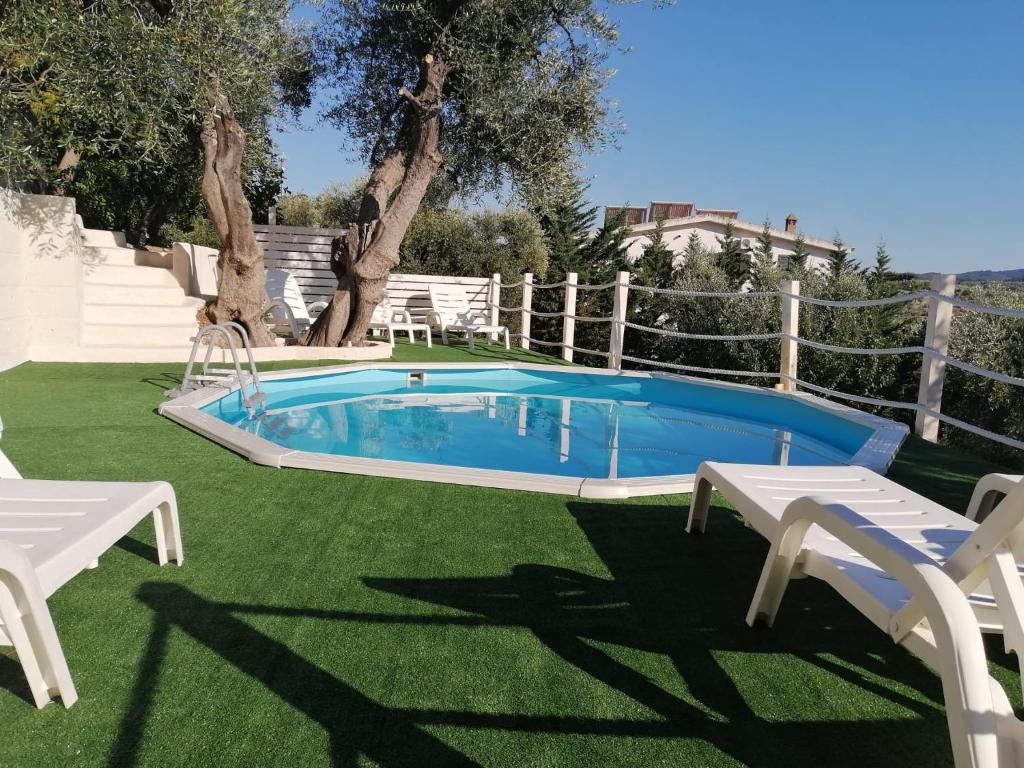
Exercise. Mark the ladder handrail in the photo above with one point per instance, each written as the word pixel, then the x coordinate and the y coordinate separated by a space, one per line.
pixel 190 380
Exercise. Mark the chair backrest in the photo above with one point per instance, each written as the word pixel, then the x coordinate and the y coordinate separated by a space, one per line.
pixel 282 286
pixel 7 470
pixel 449 301
pixel 382 313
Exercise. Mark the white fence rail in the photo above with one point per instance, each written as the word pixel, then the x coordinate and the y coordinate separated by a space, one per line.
pixel 940 300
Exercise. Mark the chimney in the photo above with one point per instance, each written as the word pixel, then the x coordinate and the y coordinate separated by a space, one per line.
pixel 791 223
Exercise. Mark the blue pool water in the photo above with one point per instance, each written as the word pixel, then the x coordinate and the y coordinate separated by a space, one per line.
pixel 546 422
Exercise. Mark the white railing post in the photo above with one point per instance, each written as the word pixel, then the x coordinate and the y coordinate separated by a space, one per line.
pixel 527 307
pixel 619 302
pixel 495 301
pixel 568 321
pixel 933 369
pixel 789 349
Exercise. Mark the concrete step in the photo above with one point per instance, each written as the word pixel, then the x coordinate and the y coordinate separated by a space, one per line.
pixel 122 257
pixel 128 276
pixel 103 237
pixel 136 295
pixel 138 335
pixel 182 314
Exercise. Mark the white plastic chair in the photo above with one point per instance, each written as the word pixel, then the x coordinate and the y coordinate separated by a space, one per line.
pixel 52 531
pixel 388 319
pixel 287 308
pixel 929 577
pixel 451 311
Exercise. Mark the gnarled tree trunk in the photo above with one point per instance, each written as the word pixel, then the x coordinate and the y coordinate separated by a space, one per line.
pixel 393 194
pixel 242 292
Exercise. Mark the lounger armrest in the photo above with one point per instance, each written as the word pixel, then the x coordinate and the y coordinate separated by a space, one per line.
pixel 289 315
pixel 987 491
pixel 401 316
pixel 316 308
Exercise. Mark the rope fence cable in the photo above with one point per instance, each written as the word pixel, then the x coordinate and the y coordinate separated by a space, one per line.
pixel 549 285
pixel 972 306
pixel 936 354
pixel 706 294
pixel 579 319
pixel 704 336
pixel 698 369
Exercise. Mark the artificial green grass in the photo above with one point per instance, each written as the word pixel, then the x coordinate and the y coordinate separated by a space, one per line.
pixel 324 619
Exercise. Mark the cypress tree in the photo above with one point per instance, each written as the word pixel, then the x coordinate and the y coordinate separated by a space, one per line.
pixel 732 258
pixel 798 261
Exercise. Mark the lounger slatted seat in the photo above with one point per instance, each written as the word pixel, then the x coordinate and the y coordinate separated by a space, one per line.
pixel 929 577
pixel 451 311
pixel 50 531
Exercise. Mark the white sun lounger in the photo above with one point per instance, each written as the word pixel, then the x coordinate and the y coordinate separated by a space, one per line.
pixel 50 531
pixel 287 307
pixel 451 311
pixel 388 319
pixel 908 564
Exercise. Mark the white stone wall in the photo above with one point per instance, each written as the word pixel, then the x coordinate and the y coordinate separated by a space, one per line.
pixel 41 257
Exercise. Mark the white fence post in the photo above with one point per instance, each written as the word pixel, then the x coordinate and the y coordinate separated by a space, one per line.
pixel 495 301
pixel 621 299
pixel 789 349
pixel 527 306
pixel 933 370
pixel 568 321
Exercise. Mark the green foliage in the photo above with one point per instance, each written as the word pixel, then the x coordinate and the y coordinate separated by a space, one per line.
pixel 454 242
pixel 198 231
pixel 334 207
pixel 104 101
pixel 523 100
pixel 995 343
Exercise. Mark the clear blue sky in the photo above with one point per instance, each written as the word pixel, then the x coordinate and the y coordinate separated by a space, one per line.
pixel 900 119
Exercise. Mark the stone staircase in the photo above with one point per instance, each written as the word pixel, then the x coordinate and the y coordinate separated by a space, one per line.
pixel 133 308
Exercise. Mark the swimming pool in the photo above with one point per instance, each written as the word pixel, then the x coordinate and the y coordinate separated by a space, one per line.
pixel 581 431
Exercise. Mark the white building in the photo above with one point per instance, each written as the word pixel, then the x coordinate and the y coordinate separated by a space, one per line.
pixel 679 220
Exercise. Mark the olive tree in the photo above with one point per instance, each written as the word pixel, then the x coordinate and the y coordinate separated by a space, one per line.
pixel 148 88
pixel 494 97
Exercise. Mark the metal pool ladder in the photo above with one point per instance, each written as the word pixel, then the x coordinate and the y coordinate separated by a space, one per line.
pixel 214 374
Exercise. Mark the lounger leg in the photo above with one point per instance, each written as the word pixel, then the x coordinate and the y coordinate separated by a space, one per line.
pixel 775 576
pixel 469 336
pixel 93 564
pixel 699 505
pixel 444 335
pixel 412 339
pixel 27 620
pixel 506 339
pixel 168 533
pixel 430 341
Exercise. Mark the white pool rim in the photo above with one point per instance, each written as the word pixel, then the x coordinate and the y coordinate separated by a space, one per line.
pixel 876 454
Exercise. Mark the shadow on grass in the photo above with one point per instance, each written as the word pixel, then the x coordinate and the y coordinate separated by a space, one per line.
pixel 684 597
pixel 163 381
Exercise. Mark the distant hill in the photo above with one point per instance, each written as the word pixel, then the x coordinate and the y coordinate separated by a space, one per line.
pixel 985 276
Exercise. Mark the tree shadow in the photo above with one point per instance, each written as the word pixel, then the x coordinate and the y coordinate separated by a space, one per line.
pixel 356 725
pixel 359 727
pixel 667 593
